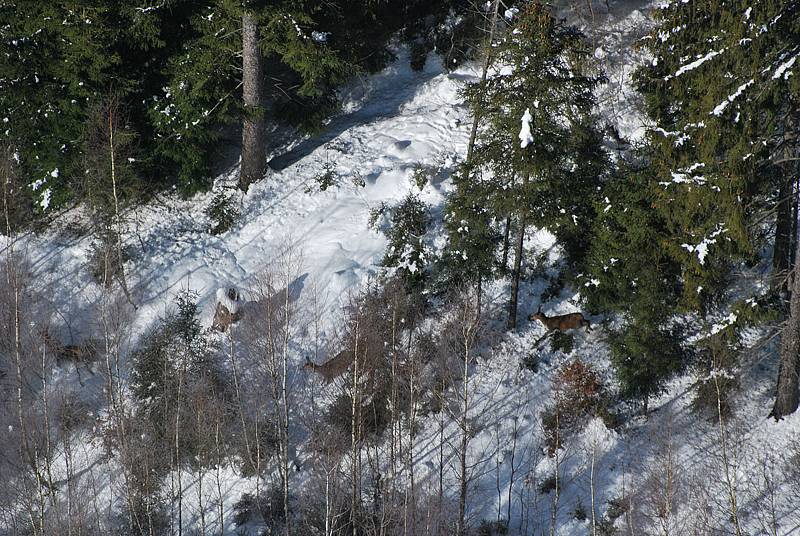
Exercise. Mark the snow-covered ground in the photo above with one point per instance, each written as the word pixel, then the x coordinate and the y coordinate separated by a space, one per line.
pixel 667 468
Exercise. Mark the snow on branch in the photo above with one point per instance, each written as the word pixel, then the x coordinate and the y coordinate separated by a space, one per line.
pixel 702 248
pixel 724 104
pixel 782 69
pixel 525 136
pixel 695 64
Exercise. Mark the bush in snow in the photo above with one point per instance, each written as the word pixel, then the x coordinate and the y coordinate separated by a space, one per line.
pixel 406 251
pixel 562 341
pixel 716 381
pixel 266 508
pixel 222 213
pixel 325 178
pixel 492 528
pixel 175 361
pixel 376 216
pixel 579 393
pixel 420 176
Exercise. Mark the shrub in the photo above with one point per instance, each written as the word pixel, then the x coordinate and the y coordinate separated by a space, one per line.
pixel 376 215
pixel 492 528
pixel 420 176
pixel 406 250
pixel 530 362
pixel 260 452
pixel 325 178
pixel 715 368
pixel 268 507
pixel 222 213
pixel 548 484
pixel 579 394
pixel 177 349
pixel 579 512
pixel 375 416
pixel 562 342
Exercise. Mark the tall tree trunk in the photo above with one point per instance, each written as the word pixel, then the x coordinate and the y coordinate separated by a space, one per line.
pixel 515 276
pixel 783 234
pixel 469 326
pixel 254 158
pixel 793 236
pixel 287 320
pixel 787 395
pixel 112 127
pixel 487 60
pixel 506 246
pixel 355 431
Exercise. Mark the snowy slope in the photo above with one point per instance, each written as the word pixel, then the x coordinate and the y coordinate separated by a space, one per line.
pixel 392 122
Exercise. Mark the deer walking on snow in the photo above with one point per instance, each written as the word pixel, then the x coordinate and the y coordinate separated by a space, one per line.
pixel 561 322
pixel 333 367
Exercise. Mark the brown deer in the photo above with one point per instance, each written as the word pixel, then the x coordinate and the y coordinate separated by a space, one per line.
pixel 229 309
pixel 83 354
pixel 333 367
pixel 561 322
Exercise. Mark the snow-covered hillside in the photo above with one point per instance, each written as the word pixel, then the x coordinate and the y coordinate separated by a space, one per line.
pixel 667 473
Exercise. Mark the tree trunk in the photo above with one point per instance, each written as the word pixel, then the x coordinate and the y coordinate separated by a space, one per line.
pixel 515 276
pixel 254 158
pixel 487 60
pixel 355 436
pixel 112 126
pixel 783 234
pixel 787 396
pixel 506 246
pixel 793 236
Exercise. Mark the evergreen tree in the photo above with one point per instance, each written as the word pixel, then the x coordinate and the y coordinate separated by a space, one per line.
pixel 178 349
pixel 472 239
pixel 627 271
pixel 205 90
pixel 726 115
pixel 59 62
pixel 539 151
pixel 53 61
pixel 406 249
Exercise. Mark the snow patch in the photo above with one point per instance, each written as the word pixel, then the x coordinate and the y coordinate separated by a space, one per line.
pixel 525 136
pixel 782 69
pixel 695 64
pixel 724 104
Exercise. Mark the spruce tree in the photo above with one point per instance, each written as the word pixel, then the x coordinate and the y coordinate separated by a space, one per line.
pixel 720 91
pixel 53 62
pixel 722 108
pixel 539 152
pixel 629 273
pixel 205 91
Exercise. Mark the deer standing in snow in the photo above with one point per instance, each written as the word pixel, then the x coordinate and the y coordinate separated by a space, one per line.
pixel 561 322
pixel 83 355
pixel 333 367
pixel 229 309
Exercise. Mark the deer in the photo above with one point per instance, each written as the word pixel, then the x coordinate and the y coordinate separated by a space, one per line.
pixel 561 322
pixel 333 367
pixel 82 354
pixel 229 309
